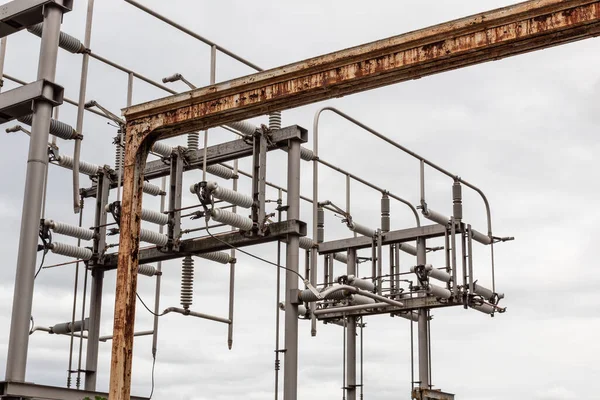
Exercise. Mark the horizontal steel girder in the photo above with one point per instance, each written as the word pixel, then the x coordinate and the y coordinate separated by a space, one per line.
pixel 410 304
pixel 219 153
pixel 207 244
pixel 24 390
pixel 472 40
pixel 400 236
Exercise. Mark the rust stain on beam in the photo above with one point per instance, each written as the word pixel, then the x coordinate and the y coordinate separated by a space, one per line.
pixel 483 37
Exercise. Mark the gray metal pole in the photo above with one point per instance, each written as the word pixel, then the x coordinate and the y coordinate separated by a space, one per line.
pixel 81 106
pixel 290 366
pixel 37 163
pixel 422 327
pixel 163 186
pixel 2 58
pixel 351 339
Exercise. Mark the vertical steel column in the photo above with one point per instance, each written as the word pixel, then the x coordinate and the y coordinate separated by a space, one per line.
pixel 81 106
pixel 175 193
pixel 314 255
pixel 423 326
pixel 37 163
pixel 91 358
pixel 232 269
pixel 259 177
pixel 351 338
pixel 290 371
pixel 2 58
pixel 158 279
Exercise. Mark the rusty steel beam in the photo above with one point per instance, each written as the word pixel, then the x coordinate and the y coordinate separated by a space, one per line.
pixel 480 38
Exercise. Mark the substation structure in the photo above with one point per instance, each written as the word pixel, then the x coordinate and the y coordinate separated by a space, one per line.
pixel 316 293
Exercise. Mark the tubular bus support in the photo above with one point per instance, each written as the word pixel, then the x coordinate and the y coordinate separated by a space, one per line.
pixel 413 154
pixel 308 296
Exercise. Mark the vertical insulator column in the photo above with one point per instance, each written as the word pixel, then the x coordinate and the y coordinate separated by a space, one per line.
pixel 275 120
pixel 457 201
pixel 193 139
pixel 385 213
pixel 187 282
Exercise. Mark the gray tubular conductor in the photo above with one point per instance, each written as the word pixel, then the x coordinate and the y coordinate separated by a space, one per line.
pixel 242 126
pixel 155 217
pixel 480 237
pixel 308 295
pixel 361 283
pixel 484 308
pixel 69 230
pixel 146 270
pixel 216 256
pixel 233 219
pixel 71 251
pixel 57 128
pixel 436 217
pixel 361 229
pixel 407 248
pixel 228 195
pixel 156 238
pixel 84 167
pixel 341 257
pixel 187 282
pixel 439 292
pixel 65 41
pixel 69 327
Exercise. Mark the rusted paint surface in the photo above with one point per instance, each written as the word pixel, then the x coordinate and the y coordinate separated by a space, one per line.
pixel 484 37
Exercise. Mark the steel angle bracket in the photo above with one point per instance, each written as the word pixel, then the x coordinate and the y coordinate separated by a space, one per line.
pixel 19 102
pixel 20 14
pixel 428 394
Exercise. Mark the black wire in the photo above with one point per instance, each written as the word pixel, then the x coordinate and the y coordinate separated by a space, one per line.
pixel 153 364
pixel 146 307
pixel 252 255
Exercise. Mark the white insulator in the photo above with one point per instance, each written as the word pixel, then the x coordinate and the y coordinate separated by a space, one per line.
pixel 361 283
pixel 57 128
pixel 480 237
pixel 69 327
pixel 275 120
pixel 187 282
pixel 305 154
pixel 71 251
pixel 193 139
pixel 156 238
pixel 70 230
pixel 437 274
pixel 484 292
pixel 307 295
pixel 306 243
pixel 228 195
pixel 407 248
pixel 438 291
pixel 216 256
pixel 151 189
pixel 65 41
pixel 412 316
pixel 484 308
pixel 84 167
pixel 361 229
pixel 233 219
pixel 220 170
pixel 164 149
pixel 341 257
pixel 302 311
pixel 357 299
pixel 119 157
pixel 146 270
pixel 242 126
pixel 436 217
pixel 155 217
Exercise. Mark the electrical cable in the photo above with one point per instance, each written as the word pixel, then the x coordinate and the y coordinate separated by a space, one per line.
pixel 45 251
pixel 253 255
pixel 146 307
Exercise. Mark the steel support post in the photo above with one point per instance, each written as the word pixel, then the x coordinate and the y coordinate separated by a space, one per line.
pixel 351 338
pixel 423 331
pixel 232 268
pixel 175 193
pixel 290 366
pixel 259 178
pixel 91 359
pixel 158 280
pixel 37 163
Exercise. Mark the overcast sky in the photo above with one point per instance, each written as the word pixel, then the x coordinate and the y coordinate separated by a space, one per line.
pixel 521 129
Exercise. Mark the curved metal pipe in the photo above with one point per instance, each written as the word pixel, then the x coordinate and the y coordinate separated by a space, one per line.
pixel 413 154
pixel 352 289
